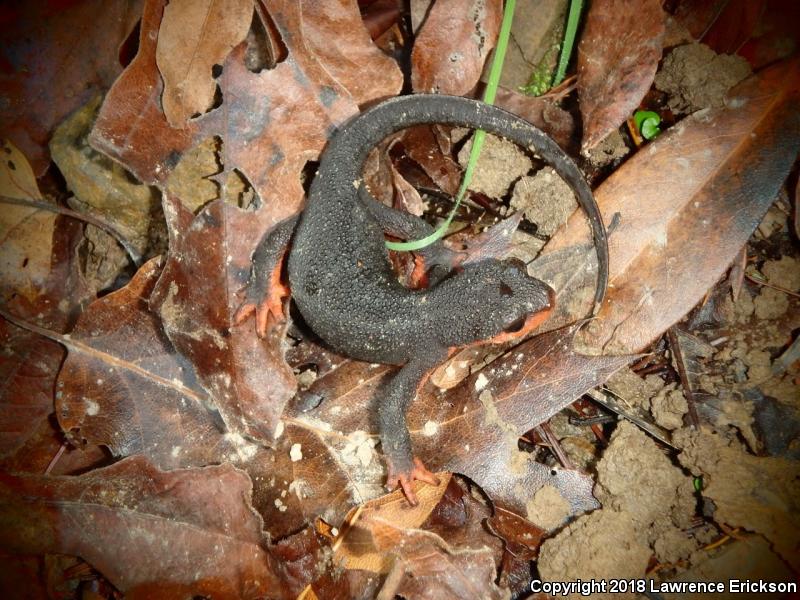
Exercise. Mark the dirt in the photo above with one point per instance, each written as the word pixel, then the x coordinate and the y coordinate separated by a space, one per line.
pixel 601 545
pixel 548 508
pixel 668 407
pixel 577 442
pixel 749 558
pixel 696 77
pixel 726 504
pixel 772 303
pixel 632 389
pixel 610 151
pixel 647 501
pixel 545 199
pixel 500 164
pixel 784 272
pixel 757 493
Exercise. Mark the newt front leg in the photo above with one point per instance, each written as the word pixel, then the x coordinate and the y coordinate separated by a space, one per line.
pixel 265 292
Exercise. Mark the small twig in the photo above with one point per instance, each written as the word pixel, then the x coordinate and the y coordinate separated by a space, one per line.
pixel 792 355
pixel 588 421
pixel 597 430
pixel 773 286
pixel 647 359
pixel 662 566
pixel 55 458
pixel 736 275
pixel 132 252
pixel 562 89
pixel 677 353
pixel 613 405
pixel 730 534
pixel 654 368
pixel 547 433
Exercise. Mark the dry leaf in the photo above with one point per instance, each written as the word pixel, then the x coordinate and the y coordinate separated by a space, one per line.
pixel 310 568
pixel 41 280
pixel 131 127
pixel 775 36
pixel 56 56
pixel 28 367
pixel 159 534
pixel 376 526
pixel 123 386
pixel 543 112
pixel 270 123
pixel 521 540
pixel 452 45
pixel 697 16
pixel 406 196
pixel 384 536
pixel 471 429
pixel 734 25
pixel 461 518
pixel 380 16
pixel 193 38
pixel 338 38
pixel 247 379
pixel 617 60
pixel 422 146
pixel 427 567
pixel 26 233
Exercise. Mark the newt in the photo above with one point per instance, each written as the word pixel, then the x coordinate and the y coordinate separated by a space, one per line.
pixel 345 289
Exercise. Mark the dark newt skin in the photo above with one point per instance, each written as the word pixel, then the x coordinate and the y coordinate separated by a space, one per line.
pixel 347 292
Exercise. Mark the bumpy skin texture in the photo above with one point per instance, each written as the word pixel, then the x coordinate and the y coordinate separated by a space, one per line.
pixel 343 284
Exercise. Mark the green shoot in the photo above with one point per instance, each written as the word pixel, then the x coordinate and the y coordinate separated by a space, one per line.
pixel 477 140
pixel 647 123
pixel 575 7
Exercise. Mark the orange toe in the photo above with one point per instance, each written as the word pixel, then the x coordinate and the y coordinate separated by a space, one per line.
pixel 406 484
pixel 405 480
pixel 245 310
pixel 421 473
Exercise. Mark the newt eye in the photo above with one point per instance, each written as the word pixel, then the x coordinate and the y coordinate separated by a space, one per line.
pixel 505 290
pixel 518 264
pixel 515 325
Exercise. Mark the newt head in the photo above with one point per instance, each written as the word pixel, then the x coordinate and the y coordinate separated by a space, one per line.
pixel 490 301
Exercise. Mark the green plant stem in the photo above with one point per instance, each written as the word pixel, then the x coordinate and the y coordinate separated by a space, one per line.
pixel 477 141
pixel 575 7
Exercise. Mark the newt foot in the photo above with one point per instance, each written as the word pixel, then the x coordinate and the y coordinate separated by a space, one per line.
pixel 268 309
pixel 405 478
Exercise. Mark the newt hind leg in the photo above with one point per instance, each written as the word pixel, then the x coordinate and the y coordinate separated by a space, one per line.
pixel 403 466
pixel 432 262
